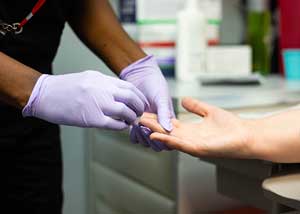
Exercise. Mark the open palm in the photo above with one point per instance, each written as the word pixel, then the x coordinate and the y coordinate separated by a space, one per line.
pixel 220 133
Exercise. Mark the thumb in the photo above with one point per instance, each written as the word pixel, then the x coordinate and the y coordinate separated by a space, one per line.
pixel 196 107
pixel 164 114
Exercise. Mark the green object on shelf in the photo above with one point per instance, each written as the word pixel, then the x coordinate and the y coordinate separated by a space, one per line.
pixel 259 37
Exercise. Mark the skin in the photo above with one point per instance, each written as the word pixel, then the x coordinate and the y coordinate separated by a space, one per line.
pixel 97 26
pixel 223 134
pixel 103 34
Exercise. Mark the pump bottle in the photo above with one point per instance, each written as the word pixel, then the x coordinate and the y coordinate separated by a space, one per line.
pixel 191 42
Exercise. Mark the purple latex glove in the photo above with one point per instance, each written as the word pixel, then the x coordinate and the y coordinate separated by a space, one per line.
pixel 87 99
pixel 147 77
pixel 141 134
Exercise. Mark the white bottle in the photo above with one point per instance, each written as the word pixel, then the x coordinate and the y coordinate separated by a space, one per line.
pixel 191 42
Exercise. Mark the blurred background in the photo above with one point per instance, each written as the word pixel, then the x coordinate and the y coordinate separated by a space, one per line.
pixel 212 42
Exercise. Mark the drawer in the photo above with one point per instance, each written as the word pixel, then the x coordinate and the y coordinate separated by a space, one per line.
pixel 126 195
pixel 154 170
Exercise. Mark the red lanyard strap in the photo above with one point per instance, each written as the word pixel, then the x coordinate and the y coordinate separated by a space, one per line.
pixel 34 10
pixel 17 28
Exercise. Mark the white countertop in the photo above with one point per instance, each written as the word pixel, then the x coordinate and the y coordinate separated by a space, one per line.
pixel 273 91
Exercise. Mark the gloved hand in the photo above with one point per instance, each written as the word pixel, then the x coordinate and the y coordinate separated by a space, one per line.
pixel 147 77
pixel 87 99
pixel 141 134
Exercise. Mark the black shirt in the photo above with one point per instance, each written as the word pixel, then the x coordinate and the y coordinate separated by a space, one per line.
pixel 35 47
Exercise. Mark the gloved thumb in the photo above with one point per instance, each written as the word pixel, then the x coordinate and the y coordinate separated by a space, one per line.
pixel 164 114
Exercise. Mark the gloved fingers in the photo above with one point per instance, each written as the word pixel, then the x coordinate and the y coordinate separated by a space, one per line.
pixel 132 136
pixel 145 140
pixel 164 114
pixel 160 145
pixel 155 145
pixel 132 100
pixel 113 124
pixel 172 108
pixel 146 132
pixel 149 142
pixel 131 87
pixel 121 112
pixel 141 138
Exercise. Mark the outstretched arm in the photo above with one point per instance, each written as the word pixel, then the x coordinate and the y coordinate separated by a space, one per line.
pixel 223 134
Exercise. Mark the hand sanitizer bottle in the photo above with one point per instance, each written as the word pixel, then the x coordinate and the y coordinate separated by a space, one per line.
pixel 191 42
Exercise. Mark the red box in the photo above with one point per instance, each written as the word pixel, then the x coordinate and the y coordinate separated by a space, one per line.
pixel 289 30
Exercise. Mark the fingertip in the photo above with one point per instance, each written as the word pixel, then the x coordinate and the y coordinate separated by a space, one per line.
pixel 166 124
pixel 186 101
pixel 196 106
pixel 164 117
pixel 155 136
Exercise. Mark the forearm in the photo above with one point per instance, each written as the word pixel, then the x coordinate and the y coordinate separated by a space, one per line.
pixel 101 31
pixel 278 136
pixel 16 81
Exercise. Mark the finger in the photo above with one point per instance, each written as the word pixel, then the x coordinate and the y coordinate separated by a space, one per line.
pixel 130 99
pixel 153 125
pixel 199 149
pixel 176 123
pixel 164 114
pixel 173 115
pixel 170 141
pixel 145 132
pixel 174 142
pixel 133 138
pixel 131 87
pixel 122 112
pixel 161 145
pixel 113 124
pixel 195 106
pixel 141 139
pixel 149 115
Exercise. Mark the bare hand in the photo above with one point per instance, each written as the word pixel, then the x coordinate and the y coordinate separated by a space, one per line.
pixel 220 134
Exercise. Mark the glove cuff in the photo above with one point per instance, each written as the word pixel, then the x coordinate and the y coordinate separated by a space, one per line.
pixel 138 66
pixel 29 109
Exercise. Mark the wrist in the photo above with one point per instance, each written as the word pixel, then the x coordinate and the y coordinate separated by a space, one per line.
pixel 146 64
pixel 256 137
pixel 31 102
pixel 23 96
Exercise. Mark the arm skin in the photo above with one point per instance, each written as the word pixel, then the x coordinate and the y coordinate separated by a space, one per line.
pixel 98 27
pixel 96 24
pixel 222 134
pixel 16 81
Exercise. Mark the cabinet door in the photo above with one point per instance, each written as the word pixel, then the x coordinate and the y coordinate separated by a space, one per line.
pixel 126 178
